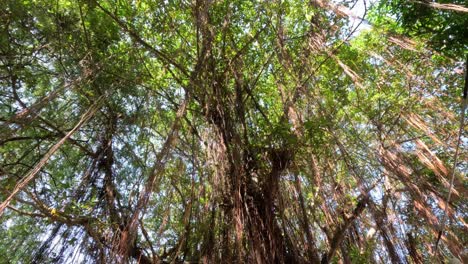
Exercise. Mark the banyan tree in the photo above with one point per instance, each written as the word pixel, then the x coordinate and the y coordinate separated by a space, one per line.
pixel 212 131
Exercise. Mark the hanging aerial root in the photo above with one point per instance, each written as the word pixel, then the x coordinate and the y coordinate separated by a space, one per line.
pixel 349 72
pixel 32 173
pixel 125 246
pixel 450 7
pixel 417 122
pixel 403 42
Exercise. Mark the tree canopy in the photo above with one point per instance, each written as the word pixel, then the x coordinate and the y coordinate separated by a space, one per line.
pixel 212 131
